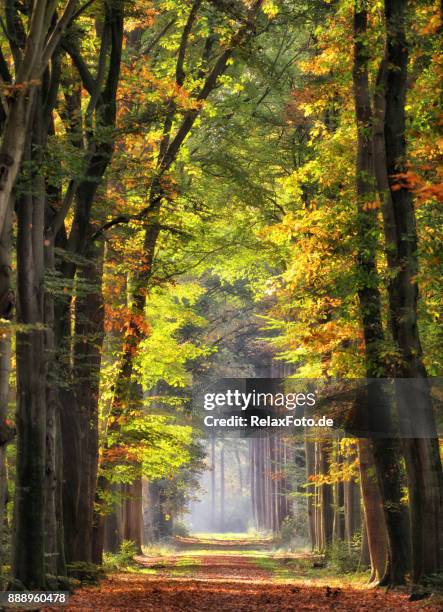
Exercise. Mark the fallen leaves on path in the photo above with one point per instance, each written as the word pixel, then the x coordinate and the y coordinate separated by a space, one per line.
pixel 228 583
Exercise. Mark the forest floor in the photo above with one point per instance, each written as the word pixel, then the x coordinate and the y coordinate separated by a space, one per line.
pixel 224 577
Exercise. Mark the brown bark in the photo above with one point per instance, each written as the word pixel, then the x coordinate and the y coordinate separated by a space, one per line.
pixel 222 488
pixel 339 519
pixel 326 498
pixel 160 522
pixel 319 539
pixel 240 471
pixel 213 485
pixel 373 400
pixel 132 513
pixel 374 518
pixel 30 509
pixel 310 471
pixel 365 559
pixel 79 402
pixel 89 333
pixel 32 53
pixel 423 464
pixel 7 300
pixel 352 509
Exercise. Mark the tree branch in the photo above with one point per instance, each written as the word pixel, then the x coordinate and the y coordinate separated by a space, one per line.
pixel 157 38
pixel 179 70
pixel 101 67
pixel 80 64
pixel 64 209
pixel 208 86
pixel 58 31
pixel 80 11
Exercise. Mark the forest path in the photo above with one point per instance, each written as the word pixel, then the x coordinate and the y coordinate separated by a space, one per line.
pixel 249 581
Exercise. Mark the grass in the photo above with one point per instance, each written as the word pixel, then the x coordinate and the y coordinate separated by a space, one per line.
pixel 159 550
pixel 186 565
pixel 299 568
pixel 220 537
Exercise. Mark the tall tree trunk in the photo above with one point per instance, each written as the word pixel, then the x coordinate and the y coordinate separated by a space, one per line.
pixel 222 487
pixel 374 518
pixel 6 313
pixel 79 402
pixel 161 523
pixel 54 451
pixel 319 536
pixel 374 399
pixel 260 484
pixel 213 482
pixel 339 518
pixel 352 510
pixel 89 333
pixel 132 516
pixel 240 471
pixel 365 558
pixel 326 499
pixel 113 523
pixel 423 464
pixel 310 471
pixel 30 507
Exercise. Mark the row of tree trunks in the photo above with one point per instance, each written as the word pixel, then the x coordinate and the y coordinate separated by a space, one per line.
pixel 269 458
pixel 169 149
pixel 333 509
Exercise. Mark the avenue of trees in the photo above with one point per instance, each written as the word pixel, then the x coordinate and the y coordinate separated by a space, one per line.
pixel 220 188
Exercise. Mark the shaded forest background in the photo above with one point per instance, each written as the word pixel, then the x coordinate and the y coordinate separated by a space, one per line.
pixel 215 187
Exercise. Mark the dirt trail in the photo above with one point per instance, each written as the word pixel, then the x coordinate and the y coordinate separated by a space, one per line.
pixel 240 582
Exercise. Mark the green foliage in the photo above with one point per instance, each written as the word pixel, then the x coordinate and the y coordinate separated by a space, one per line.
pixel 123 559
pixel 165 353
pixel 86 573
pixel 344 557
pixel 293 533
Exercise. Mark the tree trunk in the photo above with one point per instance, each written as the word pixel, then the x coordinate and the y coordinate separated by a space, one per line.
pixel 339 518
pixel 222 487
pixel 310 471
pixel 30 509
pixel 12 147
pixel 374 400
pixel 54 451
pixel 365 559
pixel 319 536
pixel 240 471
pixel 213 482
pixel 423 464
pixel 326 499
pixel 132 515
pixel 161 522
pixel 352 510
pixel 6 312
pixel 89 333
pixel 374 518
